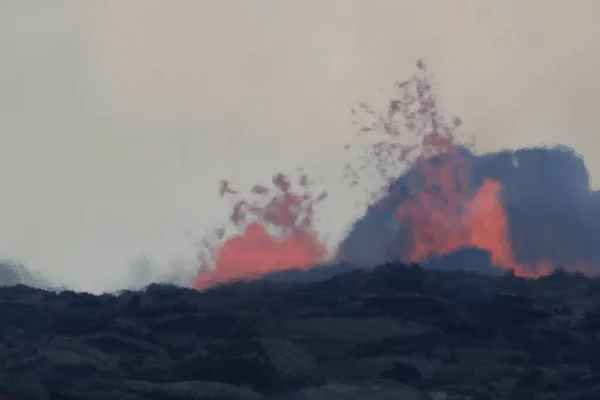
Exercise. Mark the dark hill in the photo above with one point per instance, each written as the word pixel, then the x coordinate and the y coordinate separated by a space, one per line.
pixel 394 332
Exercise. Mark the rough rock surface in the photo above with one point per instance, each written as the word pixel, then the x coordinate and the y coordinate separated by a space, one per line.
pixel 394 332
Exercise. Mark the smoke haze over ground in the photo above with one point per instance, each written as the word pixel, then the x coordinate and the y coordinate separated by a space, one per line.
pixel 118 118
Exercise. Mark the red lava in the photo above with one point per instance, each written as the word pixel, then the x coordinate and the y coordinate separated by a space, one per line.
pixel 441 214
pixel 273 236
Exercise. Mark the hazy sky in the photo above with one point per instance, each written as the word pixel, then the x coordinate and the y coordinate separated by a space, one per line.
pixel 119 117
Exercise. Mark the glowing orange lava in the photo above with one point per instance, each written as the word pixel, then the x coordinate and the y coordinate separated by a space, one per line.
pixel 280 236
pixel 441 211
pixel 443 218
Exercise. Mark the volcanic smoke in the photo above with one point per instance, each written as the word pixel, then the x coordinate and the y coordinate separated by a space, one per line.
pixel 531 210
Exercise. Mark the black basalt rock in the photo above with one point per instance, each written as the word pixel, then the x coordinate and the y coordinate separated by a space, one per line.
pixel 390 332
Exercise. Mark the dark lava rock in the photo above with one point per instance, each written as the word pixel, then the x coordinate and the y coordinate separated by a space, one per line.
pixel 392 332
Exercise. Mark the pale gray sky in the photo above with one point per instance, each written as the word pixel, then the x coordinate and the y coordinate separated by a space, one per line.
pixel 118 117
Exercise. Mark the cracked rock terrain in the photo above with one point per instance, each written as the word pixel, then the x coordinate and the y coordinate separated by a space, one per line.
pixel 393 332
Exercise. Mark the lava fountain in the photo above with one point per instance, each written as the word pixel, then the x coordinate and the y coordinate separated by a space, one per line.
pixel 276 232
pixel 441 203
pixel 449 199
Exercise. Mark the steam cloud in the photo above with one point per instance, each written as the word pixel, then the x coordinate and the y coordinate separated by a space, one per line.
pixel 13 273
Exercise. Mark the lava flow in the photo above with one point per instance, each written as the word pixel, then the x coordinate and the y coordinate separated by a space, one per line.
pixel 445 199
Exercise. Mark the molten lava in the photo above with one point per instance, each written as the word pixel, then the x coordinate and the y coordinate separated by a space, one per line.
pixel 443 218
pixel 438 206
pixel 274 236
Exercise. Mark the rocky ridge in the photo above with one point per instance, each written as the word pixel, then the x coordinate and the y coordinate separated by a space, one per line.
pixel 393 332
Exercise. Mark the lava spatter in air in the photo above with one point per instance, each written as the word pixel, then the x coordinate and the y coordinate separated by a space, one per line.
pixel 436 197
pixel 274 232
pixel 436 203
